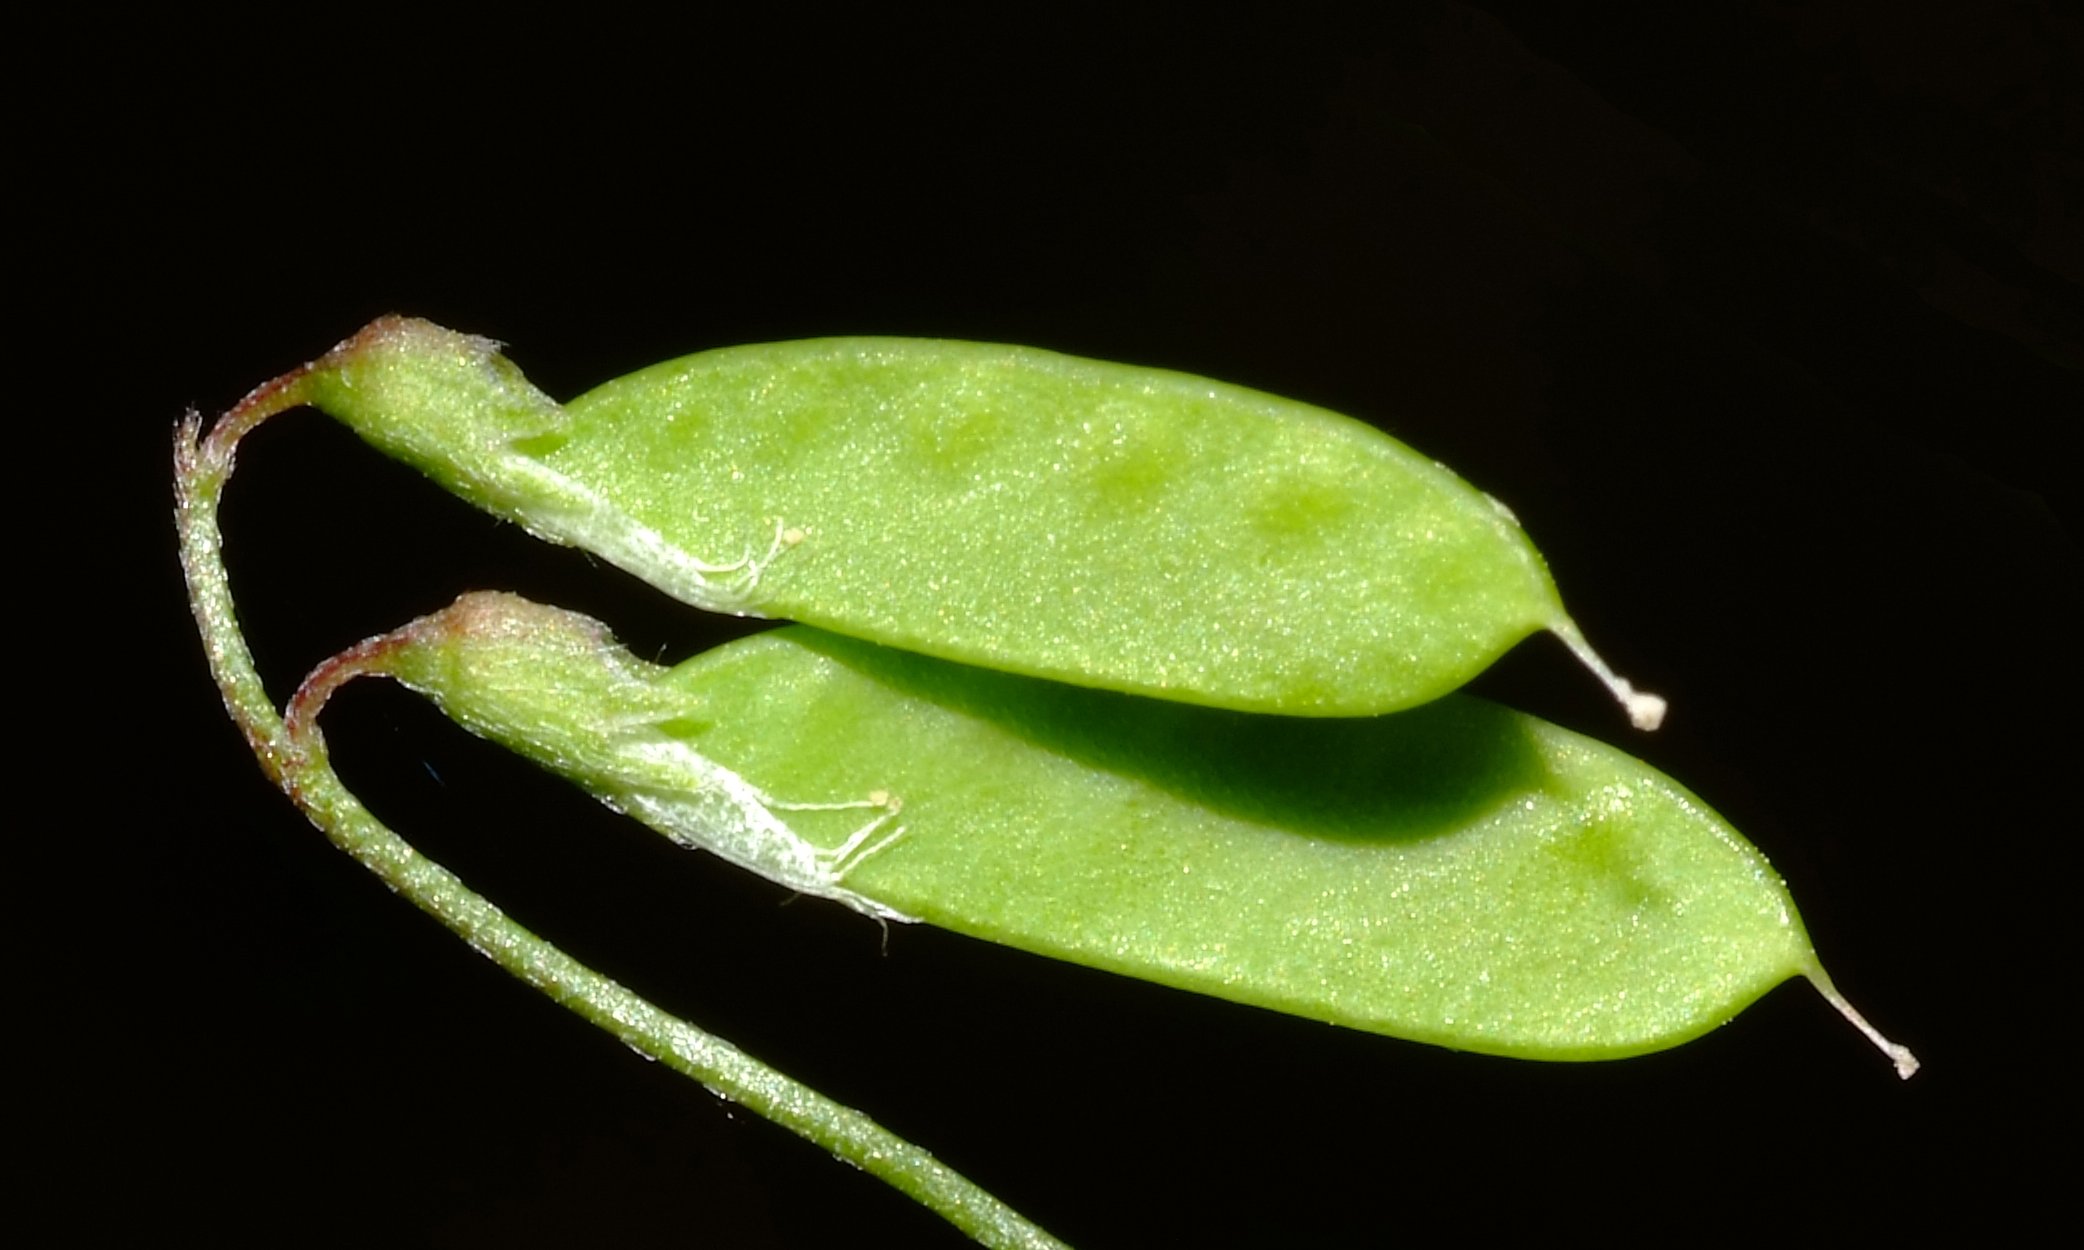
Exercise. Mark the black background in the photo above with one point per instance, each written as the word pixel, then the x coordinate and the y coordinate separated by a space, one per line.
pixel 1765 323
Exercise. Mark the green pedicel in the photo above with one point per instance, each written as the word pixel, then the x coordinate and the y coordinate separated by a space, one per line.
pixel 1125 528
pixel 295 758
pixel 1462 874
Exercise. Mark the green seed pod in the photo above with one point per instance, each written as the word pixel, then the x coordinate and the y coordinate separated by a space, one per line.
pixel 1124 528
pixel 1461 874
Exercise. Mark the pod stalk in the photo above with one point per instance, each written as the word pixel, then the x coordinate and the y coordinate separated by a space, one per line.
pixel 293 755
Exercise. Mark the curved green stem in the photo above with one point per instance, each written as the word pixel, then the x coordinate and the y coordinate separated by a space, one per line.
pixel 297 763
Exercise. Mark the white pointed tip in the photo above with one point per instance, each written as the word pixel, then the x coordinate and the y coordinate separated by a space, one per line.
pixel 1645 710
pixel 1906 1063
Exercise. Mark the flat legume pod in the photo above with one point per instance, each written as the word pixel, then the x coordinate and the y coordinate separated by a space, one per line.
pixel 1126 528
pixel 1460 874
